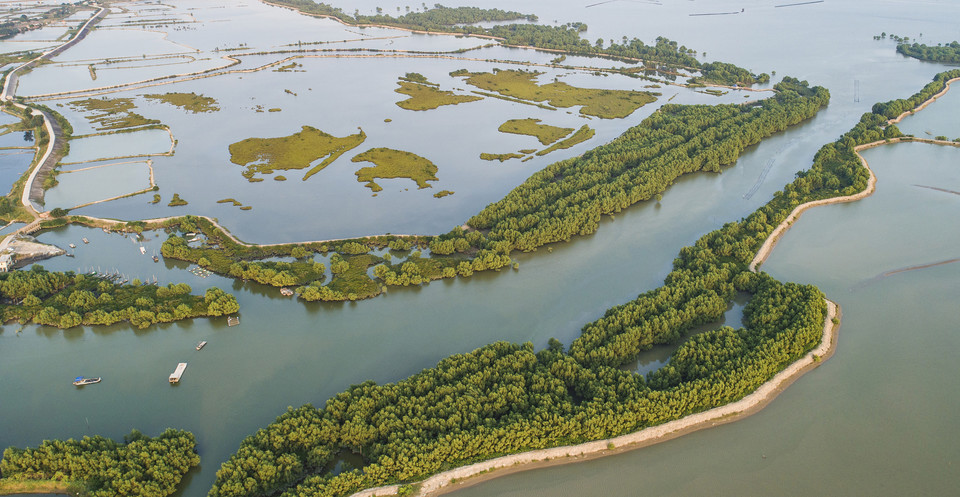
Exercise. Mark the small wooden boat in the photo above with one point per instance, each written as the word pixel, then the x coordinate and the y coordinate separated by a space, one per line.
pixel 73 245
pixel 201 344
pixel 81 381
pixel 85 240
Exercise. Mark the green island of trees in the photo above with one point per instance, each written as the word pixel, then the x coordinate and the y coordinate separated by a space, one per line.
pixel 425 95
pixel 187 101
pixel 392 163
pixel 946 54
pixel 522 85
pixel 65 300
pixel 545 133
pixel 506 398
pixel 141 466
pixel 443 193
pixel 111 113
pixel 294 152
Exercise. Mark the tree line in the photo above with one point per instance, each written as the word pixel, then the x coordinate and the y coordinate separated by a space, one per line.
pixel 141 466
pixel 945 54
pixel 566 38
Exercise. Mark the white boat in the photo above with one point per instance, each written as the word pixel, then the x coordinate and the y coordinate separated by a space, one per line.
pixel 73 245
pixel 81 381
pixel 143 250
pixel 177 373
pixel 201 344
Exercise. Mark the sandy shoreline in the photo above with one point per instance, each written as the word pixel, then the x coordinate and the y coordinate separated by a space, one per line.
pixel 449 481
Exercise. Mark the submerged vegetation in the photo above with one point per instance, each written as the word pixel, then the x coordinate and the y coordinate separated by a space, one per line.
pixel 522 85
pixel 294 152
pixel 112 113
pixel 187 101
pixel 65 300
pixel 95 466
pixel 395 164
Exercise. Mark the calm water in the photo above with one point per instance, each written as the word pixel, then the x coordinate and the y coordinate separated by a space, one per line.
pixel 872 420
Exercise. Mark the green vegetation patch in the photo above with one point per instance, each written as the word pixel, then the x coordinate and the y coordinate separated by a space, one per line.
pixel 297 151
pixel 443 193
pixel 501 157
pixel 187 101
pixel 395 164
pixel 95 466
pixel 605 104
pixel 544 132
pixel 111 113
pixel 176 201
pixel 424 96
pixel 583 134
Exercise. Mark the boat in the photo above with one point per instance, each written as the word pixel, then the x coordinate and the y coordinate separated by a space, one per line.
pixel 201 344
pixel 286 292
pixel 177 373
pixel 143 250
pixel 73 245
pixel 85 240
pixel 81 381
pixel 156 259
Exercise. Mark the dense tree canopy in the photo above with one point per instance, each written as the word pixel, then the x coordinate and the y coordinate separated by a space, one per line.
pixel 140 467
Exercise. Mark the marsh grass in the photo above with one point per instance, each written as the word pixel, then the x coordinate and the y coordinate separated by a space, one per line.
pixel 187 101
pixel 605 104
pixel 425 96
pixel 545 133
pixel 501 157
pixel 583 134
pixel 111 113
pixel 395 164
pixel 297 151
